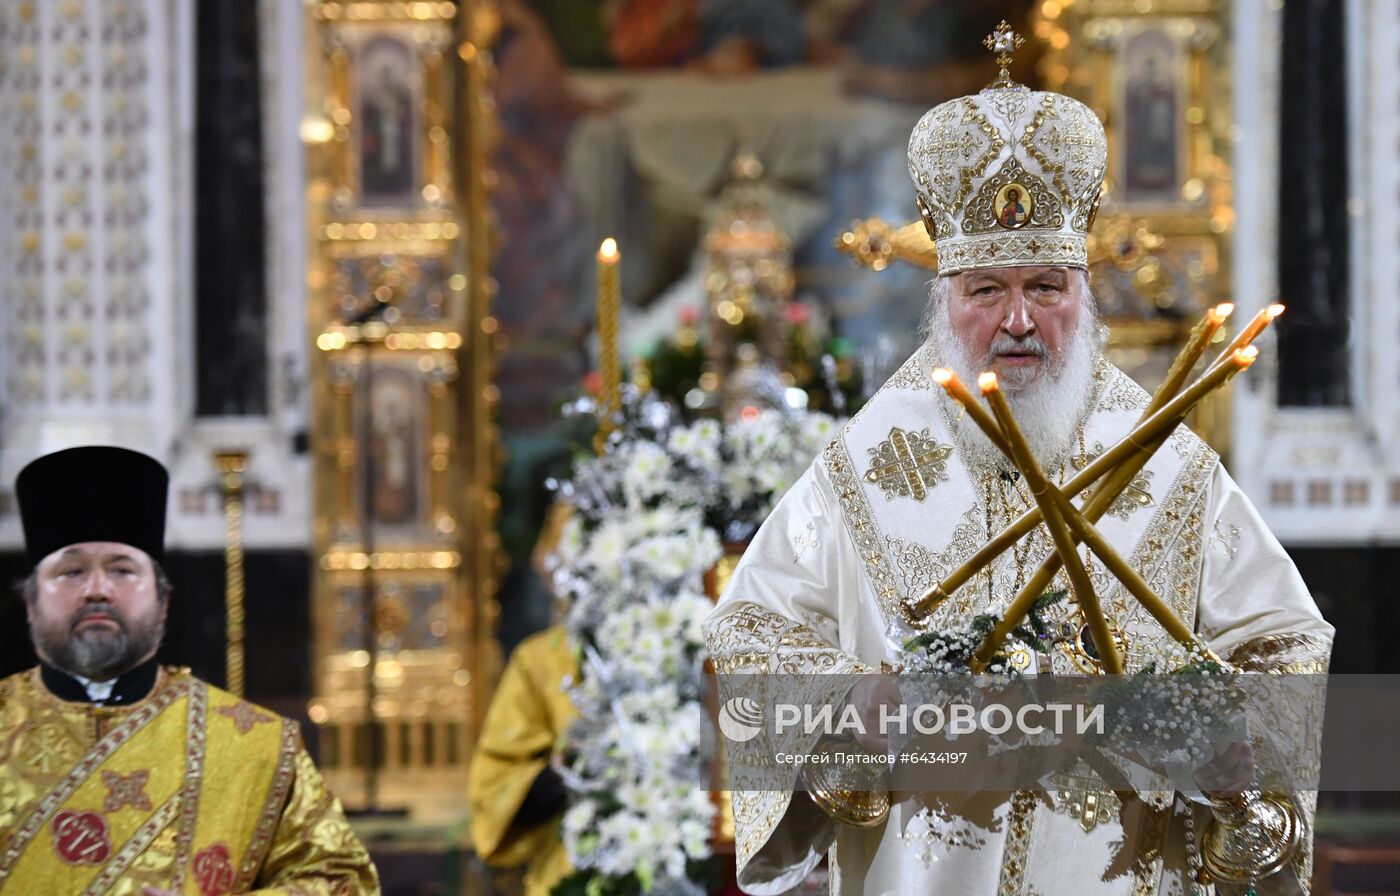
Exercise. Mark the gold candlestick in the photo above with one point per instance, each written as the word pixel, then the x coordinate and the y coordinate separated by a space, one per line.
pixel 1252 836
pixel 1143 438
pixel 1083 530
pixel 1152 434
pixel 232 465
pixel 1200 337
pixel 609 361
pixel 1040 580
pixel 1040 488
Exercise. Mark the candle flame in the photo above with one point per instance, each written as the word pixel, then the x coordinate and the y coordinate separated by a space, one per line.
pixel 942 376
pixel 1274 310
pixel 987 382
pixel 607 253
pixel 1245 356
pixel 1221 313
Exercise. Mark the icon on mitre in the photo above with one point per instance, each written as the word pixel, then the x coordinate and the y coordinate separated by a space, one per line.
pixel 1013 206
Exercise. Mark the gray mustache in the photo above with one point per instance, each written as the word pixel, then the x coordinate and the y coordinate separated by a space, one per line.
pixel 1030 345
pixel 98 610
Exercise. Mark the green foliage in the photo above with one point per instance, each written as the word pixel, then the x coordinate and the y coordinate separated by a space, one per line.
pixel 674 367
pixel 955 648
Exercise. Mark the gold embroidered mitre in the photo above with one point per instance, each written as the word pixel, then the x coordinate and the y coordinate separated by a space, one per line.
pixel 1010 176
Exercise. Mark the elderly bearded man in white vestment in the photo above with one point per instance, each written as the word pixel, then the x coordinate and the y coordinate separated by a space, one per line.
pixel 822 579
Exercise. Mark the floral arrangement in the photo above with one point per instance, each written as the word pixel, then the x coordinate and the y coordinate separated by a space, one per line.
pixel 650 516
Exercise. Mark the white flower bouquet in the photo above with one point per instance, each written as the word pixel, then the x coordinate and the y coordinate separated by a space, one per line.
pixel 649 517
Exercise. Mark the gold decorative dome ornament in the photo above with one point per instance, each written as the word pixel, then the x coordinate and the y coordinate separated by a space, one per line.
pixel 1009 176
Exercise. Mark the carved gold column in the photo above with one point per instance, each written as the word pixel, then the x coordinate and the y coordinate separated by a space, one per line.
pixel 399 129
pixel 232 465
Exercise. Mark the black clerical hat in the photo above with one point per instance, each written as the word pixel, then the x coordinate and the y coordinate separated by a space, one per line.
pixel 93 493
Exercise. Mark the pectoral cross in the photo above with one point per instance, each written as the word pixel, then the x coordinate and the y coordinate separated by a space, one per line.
pixel 1004 42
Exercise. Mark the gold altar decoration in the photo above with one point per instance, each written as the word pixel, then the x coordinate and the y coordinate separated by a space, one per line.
pixel 232 465
pixel 748 283
pixel 875 244
pixel 400 129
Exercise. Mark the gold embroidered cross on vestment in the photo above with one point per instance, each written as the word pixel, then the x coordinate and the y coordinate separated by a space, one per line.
pixel 908 464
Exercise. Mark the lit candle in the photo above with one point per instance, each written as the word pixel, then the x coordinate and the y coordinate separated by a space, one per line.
pixel 1250 332
pixel 1170 413
pixel 1151 435
pixel 955 388
pixel 1196 343
pixel 1059 530
pixel 1135 448
pixel 1082 529
pixel 609 361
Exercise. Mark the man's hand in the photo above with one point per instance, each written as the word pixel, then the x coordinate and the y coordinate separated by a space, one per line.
pixel 873 691
pixel 1230 770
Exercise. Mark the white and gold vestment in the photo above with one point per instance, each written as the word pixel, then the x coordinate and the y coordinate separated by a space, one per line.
pixel 890 508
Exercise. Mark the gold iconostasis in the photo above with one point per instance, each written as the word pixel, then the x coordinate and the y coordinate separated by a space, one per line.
pixel 407 562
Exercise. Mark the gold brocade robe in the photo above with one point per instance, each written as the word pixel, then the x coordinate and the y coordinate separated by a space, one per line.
pixel 190 789
pixel 527 716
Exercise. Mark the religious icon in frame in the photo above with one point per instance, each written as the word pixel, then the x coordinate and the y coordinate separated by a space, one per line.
pixel 386 113
pixel 1152 117
pixel 1013 206
pixel 388 91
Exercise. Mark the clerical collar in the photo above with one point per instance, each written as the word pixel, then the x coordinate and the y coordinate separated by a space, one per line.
pixel 128 688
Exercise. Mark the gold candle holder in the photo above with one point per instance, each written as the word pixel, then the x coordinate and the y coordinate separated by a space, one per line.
pixel 232 465
pixel 1146 438
pixel 1200 337
pixel 1083 530
pixel 1155 432
pixel 1252 836
pixel 1040 488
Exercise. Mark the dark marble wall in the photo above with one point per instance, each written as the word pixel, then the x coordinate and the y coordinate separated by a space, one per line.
pixel 1352 587
pixel 1314 217
pixel 230 273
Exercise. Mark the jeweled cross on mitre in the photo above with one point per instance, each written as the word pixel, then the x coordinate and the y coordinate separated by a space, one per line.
pixel 1004 42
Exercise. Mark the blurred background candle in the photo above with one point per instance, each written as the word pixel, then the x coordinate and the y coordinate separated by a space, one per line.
pixel 609 362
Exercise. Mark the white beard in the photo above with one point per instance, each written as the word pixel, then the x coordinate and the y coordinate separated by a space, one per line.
pixel 1049 410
